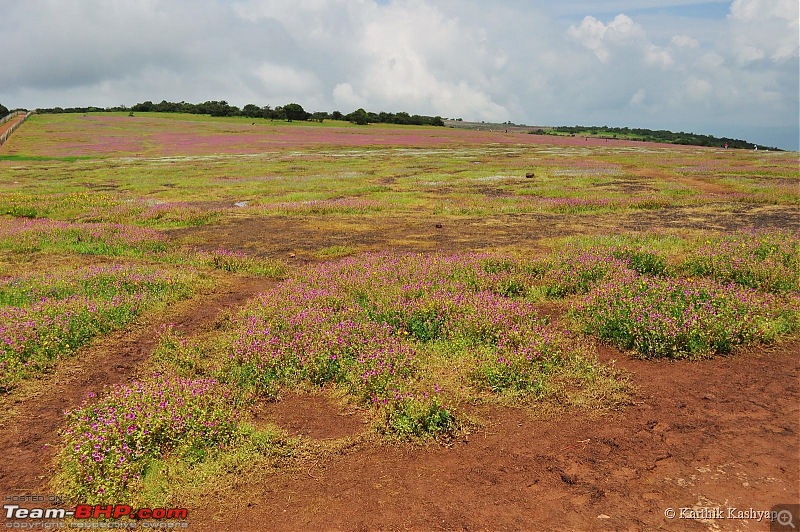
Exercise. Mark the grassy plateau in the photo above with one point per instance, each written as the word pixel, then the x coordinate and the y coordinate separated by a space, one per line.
pixel 417 276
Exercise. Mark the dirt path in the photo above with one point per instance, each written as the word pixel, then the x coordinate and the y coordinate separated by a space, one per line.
pixel 9 124
pixel 716 433
pixel 28 439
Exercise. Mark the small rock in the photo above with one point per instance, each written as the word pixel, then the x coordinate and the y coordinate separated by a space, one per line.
pixel 292 255
pixel 530 175
pixel 438 226
pixel 604 516
pixel 241 204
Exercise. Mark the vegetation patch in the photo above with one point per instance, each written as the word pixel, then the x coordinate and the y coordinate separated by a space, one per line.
pixel 680 318
pixel 580 270
pixel 47 318
pixel 331 206
pixel 402 334
pixel 761 260
pixel 110 444
pixel 237 262
pixel 25 236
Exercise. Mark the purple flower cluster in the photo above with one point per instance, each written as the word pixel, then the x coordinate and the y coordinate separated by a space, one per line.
pixel 109 443
pixel 367 321
pixel 764 260
pixel 579 270
pixel 45 318
pixel 678 318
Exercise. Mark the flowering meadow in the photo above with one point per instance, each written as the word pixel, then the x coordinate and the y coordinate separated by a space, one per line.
pixel 177 171
pixel 110 442
pixel 46 318
pixel 762 260
pixel 421 276
pixel 409 338
pixel 405 334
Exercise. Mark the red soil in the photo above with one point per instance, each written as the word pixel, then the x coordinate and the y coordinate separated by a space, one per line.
pixel 8 125
pixel 717 433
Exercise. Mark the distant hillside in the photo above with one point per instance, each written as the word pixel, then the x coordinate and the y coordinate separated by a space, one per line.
pixel 290 112
pixel 293 111
pixel 661 135
pixel 620 133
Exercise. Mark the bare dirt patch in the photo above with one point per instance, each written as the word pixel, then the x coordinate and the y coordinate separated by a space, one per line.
pixel 312 415
pixel 282 236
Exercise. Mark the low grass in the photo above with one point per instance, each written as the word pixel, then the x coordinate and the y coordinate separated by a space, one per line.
pixel 335 252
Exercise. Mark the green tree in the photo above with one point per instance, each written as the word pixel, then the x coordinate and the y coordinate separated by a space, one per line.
pixel 359 116
pixel 295 111
pixel 251 111
pixel 3 110
pixel 144 107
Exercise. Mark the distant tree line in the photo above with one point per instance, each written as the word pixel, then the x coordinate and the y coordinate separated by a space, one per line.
pixel 360 116
pixel 649 135
pixel 290 112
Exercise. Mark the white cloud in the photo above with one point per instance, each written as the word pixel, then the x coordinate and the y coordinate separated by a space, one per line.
pixel 639 97
pixel 684 41
pixel 655 55
pixel 698 89
pixel 287 80
pixel 710 61
pixel 345 97
pixel 600 38
pixel 573 61
pixel 765 29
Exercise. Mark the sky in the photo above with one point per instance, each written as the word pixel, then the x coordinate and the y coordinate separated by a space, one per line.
pixel 721 67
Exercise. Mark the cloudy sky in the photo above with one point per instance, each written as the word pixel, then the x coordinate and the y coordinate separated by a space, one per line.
pixel 728 68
